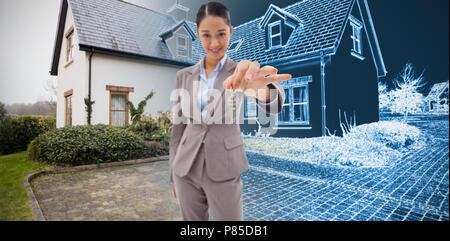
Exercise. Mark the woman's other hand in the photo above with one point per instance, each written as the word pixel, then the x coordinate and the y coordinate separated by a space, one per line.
pixel 173 189
pixel 253 80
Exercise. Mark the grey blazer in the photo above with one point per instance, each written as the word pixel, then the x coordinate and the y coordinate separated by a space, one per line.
pixel 224 147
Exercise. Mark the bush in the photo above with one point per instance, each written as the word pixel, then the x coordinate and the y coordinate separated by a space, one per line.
pixel 393 134
pixel 154 130
pixel 156 149
pixel 17 132
pixel 81 145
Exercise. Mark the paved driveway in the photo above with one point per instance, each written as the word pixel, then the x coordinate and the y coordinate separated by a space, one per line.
pixel 416 188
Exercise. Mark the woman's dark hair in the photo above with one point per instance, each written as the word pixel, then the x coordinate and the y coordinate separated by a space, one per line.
pixel 215 9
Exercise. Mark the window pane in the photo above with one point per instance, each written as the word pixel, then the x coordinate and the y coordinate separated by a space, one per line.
pixel 276 40
pixel 182 51
pixel 284 115
pixel 286 92
pixel 181 41
pixel 233 46
pixel 300 94
pixel 118 118
pixel 275 29
pixel 300 112
pixel 118 102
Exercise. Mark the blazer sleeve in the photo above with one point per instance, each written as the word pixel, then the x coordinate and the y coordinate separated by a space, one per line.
pixel 177 129
pixel 275 104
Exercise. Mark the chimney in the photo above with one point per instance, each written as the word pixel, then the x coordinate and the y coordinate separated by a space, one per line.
pixel 178 11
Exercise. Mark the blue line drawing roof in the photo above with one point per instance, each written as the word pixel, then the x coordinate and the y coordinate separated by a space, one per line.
pixel 281 12
pixel 323 21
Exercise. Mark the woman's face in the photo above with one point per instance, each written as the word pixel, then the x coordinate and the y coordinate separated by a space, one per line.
pixel 214 33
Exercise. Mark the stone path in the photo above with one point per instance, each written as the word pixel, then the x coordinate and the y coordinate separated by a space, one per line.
pixel 136 192
pixel 416 188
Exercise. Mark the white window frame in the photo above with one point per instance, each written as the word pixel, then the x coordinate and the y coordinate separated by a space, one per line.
pixel 126 111
pixel 69 47
pixel 186 39
pixel 356 37
pixel 306 104
pixel 286 104
pixel 278 22
pixel 290 85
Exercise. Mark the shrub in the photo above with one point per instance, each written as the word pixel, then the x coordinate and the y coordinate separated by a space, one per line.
pixel 156 149
pixel 393 134
pixel 154 130
pixel 17 132
pixel 89 144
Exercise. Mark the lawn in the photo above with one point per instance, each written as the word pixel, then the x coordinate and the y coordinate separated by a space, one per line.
pixel 14 202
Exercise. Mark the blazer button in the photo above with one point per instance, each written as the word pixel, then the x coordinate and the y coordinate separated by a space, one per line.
pixel 212 112
pixel 203 141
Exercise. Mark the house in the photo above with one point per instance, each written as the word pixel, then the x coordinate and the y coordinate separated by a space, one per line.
pixel 331 49
pixel 437 98
pixel 111 51
pixel 122 51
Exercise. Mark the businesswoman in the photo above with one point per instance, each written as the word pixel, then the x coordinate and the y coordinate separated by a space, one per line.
pixel 207 155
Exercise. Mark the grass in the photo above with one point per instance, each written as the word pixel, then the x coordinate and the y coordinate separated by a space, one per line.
pixel 14 202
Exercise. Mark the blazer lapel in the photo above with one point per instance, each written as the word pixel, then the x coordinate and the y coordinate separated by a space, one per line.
pixel 226 71
pixel 194 83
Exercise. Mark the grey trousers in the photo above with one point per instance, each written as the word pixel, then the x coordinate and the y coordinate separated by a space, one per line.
pixel 196 192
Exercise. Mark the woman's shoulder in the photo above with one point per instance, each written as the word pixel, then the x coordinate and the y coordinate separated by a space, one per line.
pixel 186 70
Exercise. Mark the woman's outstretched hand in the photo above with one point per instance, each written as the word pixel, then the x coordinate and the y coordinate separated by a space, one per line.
pixel 249 76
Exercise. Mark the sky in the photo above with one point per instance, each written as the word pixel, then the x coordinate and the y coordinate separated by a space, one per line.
pixel 413 31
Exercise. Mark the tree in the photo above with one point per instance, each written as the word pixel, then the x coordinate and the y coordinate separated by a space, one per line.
pixel 3 111
pixel 406 97
pixel 88 108
pixel 384 97
pixel 136 114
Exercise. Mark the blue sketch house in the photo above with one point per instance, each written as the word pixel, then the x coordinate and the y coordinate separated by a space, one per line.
pixel 331 49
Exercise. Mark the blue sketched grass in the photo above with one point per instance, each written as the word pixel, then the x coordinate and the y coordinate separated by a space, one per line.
pixel 377 144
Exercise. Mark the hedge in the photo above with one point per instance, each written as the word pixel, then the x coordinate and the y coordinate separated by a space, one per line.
pixel 17 132
pixel 91 144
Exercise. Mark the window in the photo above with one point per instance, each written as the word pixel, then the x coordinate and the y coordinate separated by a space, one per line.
pixel 69 45
pixel 251 109
pixel 356 37
pixel 296 105
pixel 300 103
pixel 68 111
pixel 119 109
pixel 182 46
pixel 275 34
pixel 235 46
pixel 285 111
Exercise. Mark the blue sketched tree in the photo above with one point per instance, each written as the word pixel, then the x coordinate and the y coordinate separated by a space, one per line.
pixel 406 98
pixel 384 97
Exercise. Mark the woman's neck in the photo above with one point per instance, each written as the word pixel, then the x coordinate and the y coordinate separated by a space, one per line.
pixel 211 63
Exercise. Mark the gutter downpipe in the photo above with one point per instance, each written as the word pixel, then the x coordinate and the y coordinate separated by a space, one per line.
pixel 322 92
pixel 90 70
